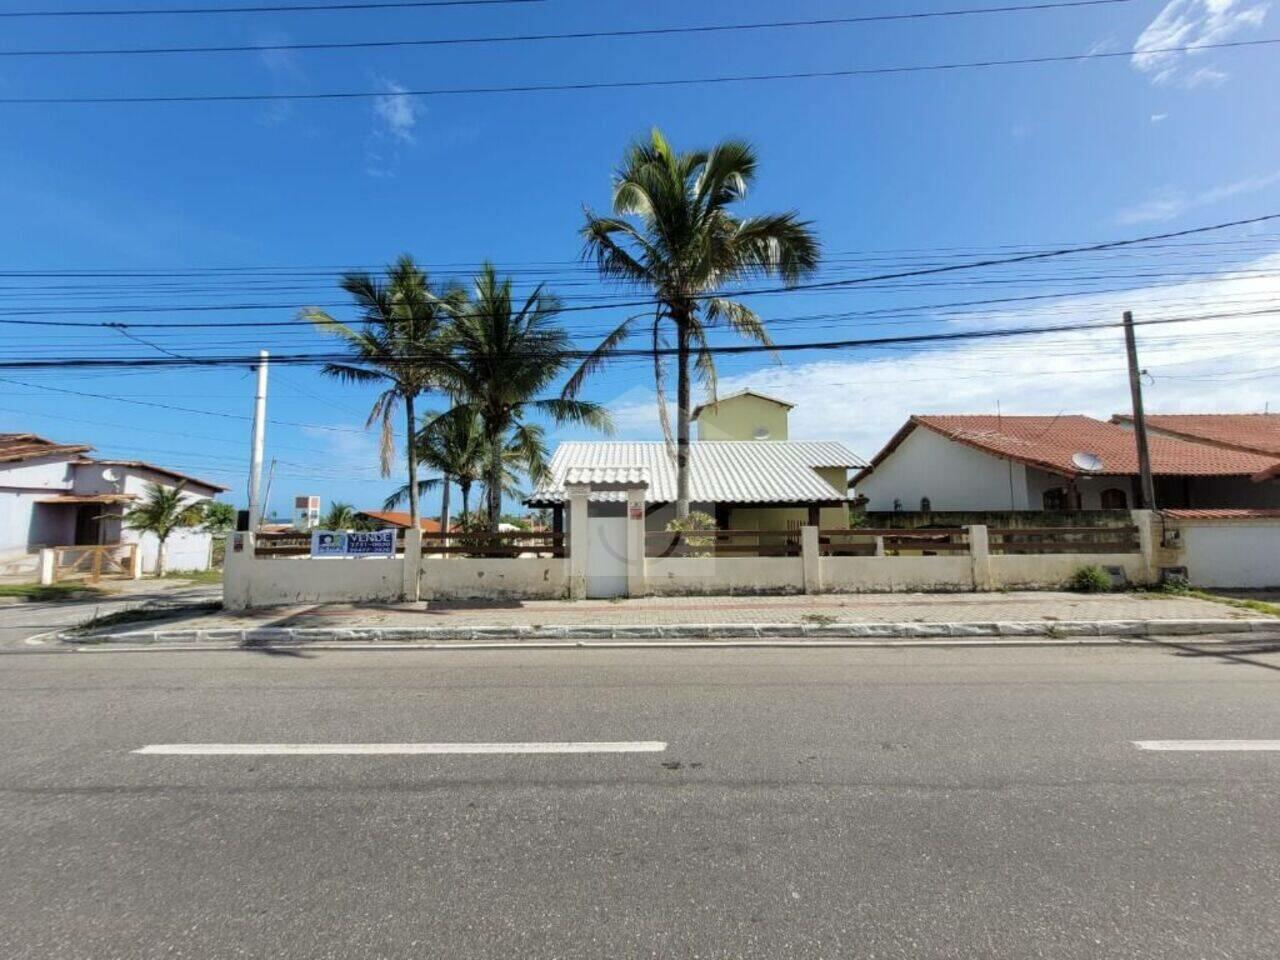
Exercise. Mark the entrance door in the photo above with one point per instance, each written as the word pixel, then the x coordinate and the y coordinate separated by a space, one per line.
pixel 607 557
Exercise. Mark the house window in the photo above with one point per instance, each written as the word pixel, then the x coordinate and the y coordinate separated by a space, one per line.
pixel 1055 499
pixel 1114 498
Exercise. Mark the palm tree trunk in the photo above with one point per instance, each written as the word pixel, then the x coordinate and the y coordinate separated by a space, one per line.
pixel 682 421
pixel 444 508
pixel 465 487
pixel 160 556
pixel 494 481
pixel 411 457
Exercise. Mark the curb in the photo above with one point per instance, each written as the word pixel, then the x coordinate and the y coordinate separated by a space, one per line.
pixel 727 634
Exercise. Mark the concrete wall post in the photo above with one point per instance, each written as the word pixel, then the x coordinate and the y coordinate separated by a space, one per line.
pixel 980 556
pixel 879 547
pixel 47 566
pixel 811 556
pixel 237 571
pixel 135 560
pixel 1145 521
pixel 579 541
pixel 637 572
pixel 412 565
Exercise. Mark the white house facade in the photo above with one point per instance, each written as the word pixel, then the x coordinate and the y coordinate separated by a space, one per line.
pixel 53 495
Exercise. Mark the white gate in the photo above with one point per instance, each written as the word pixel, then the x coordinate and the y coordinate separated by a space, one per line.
pixel 607 557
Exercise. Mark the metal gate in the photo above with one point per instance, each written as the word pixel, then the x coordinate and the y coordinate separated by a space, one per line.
pixel 606 557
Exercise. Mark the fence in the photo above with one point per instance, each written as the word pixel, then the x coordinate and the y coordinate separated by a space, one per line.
pixel 723 543
pixel 117 561
pixel 519 565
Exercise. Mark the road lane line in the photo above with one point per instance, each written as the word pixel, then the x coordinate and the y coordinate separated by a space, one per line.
pixel 396 749
pixel 1207 745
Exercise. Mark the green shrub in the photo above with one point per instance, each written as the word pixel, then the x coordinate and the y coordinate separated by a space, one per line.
pixel 1091 579
pixel 696 522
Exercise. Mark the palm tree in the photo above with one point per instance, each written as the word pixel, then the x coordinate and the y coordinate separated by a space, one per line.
pixel 341 516
pixel 451 443
pixel 684 246
pixel 504 355
pixel 162 511
pixel 398 347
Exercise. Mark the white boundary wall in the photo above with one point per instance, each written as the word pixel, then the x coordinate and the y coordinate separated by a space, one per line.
pixel 1229 554
pixel 252 581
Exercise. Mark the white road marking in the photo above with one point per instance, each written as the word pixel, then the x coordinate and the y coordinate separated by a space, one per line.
pixel 387 749
pixel 1207 745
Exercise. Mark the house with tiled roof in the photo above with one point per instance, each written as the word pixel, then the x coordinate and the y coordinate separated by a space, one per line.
pixel 55 495
pixel 1066 462
pixel 1252 432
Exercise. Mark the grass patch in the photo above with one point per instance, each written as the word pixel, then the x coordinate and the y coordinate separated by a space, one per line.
pixel 819 619
pixel 195 576
pixel 1257 606
pixel 143 614
pixel 35 592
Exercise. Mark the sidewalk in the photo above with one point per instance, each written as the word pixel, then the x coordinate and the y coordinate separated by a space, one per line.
pixel 1048 615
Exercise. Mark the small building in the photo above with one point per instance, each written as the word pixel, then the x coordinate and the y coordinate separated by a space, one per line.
pixel 398 520
pixel 743 471
pixel 53 495
pixel 988 463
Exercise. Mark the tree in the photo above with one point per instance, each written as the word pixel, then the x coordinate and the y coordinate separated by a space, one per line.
pixel 218 518
pixel 451 443
pixel 340 516
pixel 398 347
pixel 684 246
pixel 504 356
pixel 161 511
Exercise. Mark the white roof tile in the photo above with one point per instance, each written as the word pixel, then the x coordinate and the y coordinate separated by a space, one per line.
pixel 721 471
pixel 626 476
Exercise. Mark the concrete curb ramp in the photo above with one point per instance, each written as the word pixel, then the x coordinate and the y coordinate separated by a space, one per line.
pixel 755 634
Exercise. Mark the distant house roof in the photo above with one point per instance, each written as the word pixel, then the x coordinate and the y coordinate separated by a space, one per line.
pixel 1049 443
pixel 1254 432
pixel 153 468
pixel 733 396
pixel 400 519
pixel 720 471
pixel 16 447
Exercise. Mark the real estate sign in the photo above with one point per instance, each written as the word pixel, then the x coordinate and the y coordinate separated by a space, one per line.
pixel 339 543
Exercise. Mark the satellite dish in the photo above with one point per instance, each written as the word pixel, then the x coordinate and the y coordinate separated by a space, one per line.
pixel 1087 462
pixel 111 474
pixel 761 433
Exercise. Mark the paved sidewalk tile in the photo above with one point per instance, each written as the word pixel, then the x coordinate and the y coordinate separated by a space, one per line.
pixel 661 611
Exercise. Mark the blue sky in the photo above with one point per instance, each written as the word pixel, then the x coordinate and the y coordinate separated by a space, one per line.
pixel 892 169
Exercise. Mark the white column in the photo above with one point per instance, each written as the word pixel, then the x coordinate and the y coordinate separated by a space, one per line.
pixel 578 540
pixel 637 574
pixel 47 564
pixel 810 556
pixel 237 571
pixel 980 556
pixel 412 565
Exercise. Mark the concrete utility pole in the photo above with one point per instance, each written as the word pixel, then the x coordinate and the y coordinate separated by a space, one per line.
pixel 259 441
pixel 1139 417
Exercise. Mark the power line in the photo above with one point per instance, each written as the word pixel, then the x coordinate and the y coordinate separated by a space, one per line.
pixel 274 8
pixel 1049 254
pixel 729 349
pixel 625 84
pixel 543 37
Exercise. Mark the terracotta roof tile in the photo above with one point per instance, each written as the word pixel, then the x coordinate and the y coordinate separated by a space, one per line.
pixel 1255 432
pixel 399 518
pixel 1226 514
pixel 1050 442
pixel 16 447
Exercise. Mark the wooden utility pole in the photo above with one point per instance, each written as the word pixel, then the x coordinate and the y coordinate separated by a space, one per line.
pixel 1139 417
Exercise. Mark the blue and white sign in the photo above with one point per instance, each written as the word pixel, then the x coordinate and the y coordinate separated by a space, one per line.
pixel 339 543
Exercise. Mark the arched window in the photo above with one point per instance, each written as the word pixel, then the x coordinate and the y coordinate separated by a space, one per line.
pixel 1113 498
pixel 1055 499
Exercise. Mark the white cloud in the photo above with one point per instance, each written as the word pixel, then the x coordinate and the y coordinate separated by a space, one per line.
pixel 396 112
pixel 1192 23
pixel 1228 363
pixel 1159 117
pixel 1168 203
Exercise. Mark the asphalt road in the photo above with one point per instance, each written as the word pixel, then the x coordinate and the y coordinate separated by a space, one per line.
pixel 819 803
